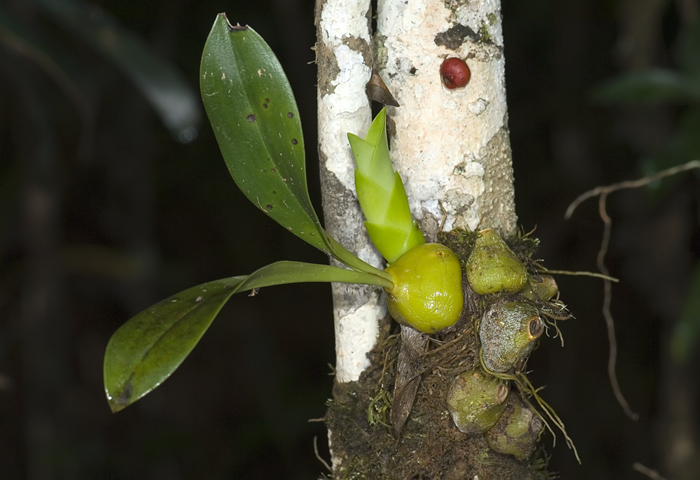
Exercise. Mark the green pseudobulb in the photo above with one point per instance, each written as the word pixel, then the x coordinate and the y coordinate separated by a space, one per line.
pixel 492 266
pixel 508 333
pixel 476 401
pixel 540 288
pixel 517 432
pixel 427 292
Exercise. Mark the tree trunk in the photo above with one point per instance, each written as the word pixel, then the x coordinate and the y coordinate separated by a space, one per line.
pixel 451 148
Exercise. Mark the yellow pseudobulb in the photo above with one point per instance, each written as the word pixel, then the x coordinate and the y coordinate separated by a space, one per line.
pixel 427 292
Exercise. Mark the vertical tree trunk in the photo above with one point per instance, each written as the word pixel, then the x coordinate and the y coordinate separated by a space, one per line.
pixel 452 150
pixel 451 147
pixel 344 60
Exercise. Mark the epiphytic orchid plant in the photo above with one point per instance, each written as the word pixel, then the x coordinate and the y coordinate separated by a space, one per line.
pixel 256 122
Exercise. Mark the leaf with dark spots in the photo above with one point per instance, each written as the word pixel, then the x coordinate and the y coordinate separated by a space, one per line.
pixel 241 79
pixel 147 349
pixel 150 346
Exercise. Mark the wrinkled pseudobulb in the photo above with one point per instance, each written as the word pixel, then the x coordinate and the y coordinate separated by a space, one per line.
pixel 476 401
pixel 508 333
pixel 540 287
pixel 517 431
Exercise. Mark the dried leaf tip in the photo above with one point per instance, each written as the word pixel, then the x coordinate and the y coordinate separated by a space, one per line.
pixel 378 91
pixel 233 28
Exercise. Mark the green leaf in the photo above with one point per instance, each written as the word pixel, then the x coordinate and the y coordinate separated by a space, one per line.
pixel 252 110
pixel 161 83
pixel 650 86
pixel 382 195
pixel 372 153
pixel 256 121
pixel 147 349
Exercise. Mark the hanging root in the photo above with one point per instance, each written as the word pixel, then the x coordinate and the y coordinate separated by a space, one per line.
pixel 583 274
pixel 602 194
pixel 527 389
pixel 641 182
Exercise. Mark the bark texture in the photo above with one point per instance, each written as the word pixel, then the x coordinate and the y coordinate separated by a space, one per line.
pixel 452 150
pixel 344 62
pixel 451 147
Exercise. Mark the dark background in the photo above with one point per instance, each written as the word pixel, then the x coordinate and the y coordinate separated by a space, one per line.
pixel 90 235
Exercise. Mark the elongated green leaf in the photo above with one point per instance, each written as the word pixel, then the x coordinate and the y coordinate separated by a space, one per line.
pixel 150 346
pixel 284 272
pixel 256 121
pixel 252 110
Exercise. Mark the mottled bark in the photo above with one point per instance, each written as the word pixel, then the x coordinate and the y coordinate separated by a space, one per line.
pixel 451 147
pixel 344 64
pixel 452 150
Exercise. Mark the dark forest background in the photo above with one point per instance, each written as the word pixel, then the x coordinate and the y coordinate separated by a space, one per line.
pixel 104 210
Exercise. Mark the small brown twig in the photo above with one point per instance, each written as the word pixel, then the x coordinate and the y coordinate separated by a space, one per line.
pixel 602 193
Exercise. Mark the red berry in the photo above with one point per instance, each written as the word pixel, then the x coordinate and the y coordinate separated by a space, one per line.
pixel 455 73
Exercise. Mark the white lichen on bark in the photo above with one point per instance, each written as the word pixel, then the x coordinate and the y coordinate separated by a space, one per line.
pixel 343 55
pixel 451 147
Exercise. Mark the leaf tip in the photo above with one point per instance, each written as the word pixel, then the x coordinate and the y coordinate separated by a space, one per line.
pixel 121 400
